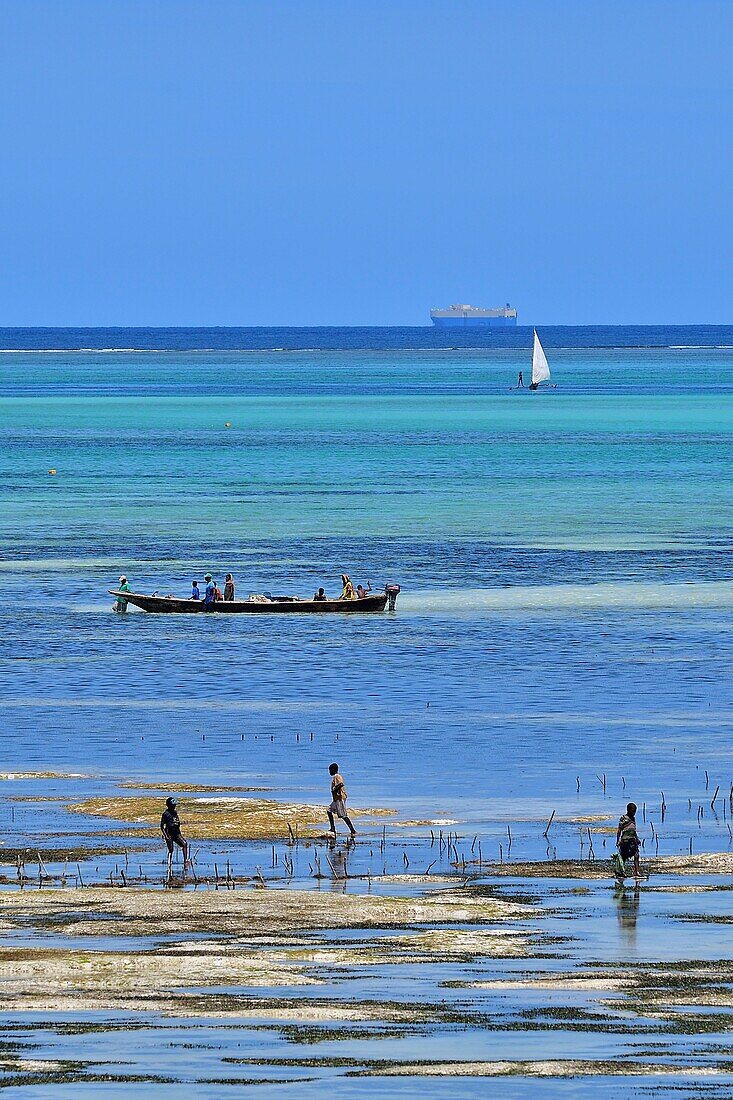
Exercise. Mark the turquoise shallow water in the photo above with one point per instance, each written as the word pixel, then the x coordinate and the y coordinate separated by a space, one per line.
pixel 564 557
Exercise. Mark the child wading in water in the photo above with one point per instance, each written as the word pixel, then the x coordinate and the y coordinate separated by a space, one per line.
pixel 338 800
pixel 170 826
pixel 627 838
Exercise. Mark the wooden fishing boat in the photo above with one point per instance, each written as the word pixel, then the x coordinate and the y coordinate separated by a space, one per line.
pixel 276 605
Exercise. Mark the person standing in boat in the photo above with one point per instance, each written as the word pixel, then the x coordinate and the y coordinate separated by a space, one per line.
pixel 347 592
pixel 209 592
pixel 170 827
pixel 338 801
pixel 229 587
pixel 121 606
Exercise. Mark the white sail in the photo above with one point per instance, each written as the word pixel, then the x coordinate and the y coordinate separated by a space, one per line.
pixel 540 368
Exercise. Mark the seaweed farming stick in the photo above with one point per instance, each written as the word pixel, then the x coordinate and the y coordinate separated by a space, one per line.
pixel 549 823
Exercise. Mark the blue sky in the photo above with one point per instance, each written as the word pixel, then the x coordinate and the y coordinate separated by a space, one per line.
pixel 195 162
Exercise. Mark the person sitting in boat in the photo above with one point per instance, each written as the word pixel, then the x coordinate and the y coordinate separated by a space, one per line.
pixel 361 591
pixel 229 587
pixel 195 593
pixel 320 595
pixel 218 594
pixel 121 606
pixel 347 592
pixel 209 592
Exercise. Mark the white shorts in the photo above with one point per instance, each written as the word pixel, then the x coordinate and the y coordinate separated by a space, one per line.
pixel 338 807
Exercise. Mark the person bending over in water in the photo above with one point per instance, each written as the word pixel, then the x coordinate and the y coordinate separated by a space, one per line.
pixel 320 595
pixel 627 838
pixel 347 593
pixel 338 800
pixel 170 827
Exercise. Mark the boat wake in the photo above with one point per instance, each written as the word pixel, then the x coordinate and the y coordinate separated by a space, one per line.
pixel 712 595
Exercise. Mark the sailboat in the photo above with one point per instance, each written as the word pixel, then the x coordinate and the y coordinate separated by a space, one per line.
pixel 540 367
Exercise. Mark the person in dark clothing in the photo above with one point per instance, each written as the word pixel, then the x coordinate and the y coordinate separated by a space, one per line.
pixel 229 587
pixel 320 595
pixel 170 826
pixel 520 381
pixel 627 838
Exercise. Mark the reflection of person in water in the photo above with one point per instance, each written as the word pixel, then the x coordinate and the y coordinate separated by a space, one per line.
pixel 627 909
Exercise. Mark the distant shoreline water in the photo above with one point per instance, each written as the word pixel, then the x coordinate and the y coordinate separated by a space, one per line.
pixel 416 338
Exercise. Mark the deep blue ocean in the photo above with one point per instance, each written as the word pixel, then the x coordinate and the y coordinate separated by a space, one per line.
pixel 565 560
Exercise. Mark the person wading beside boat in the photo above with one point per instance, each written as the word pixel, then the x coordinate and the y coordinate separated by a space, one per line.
pixel 121 606
pixel 170 826
pixel 338 801
pixel 347 592
pixel 229 587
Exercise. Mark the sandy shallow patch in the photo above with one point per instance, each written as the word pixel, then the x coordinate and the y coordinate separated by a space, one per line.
pixel 578 984
pixel 206 819
pixel 165 789
pixel 600 868
pixel 249 946
pixel 446 942
pixel 555 1068
pixel 43 775
pixel 27 973
pixel 146 912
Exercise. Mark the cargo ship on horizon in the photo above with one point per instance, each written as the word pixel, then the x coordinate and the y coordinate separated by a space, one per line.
pixel 472 316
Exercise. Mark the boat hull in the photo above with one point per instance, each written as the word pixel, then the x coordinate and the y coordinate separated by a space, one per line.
pixel 170 605
pixel 474 322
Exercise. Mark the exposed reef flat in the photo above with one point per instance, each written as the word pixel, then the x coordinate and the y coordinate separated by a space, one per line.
pixel 217 818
